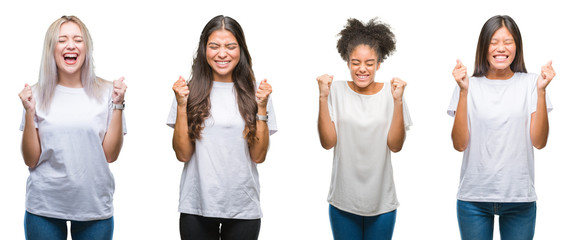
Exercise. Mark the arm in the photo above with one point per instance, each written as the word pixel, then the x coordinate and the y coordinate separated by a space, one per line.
pixel 539 122
pixel 31 148
pixel 181 143
pixel 113 140
pixel 325 126
pixel 460 133
pixel 259 148
pixel 397 133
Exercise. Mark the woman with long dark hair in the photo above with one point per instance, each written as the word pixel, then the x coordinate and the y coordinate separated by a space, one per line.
pixel 500 115
pixel 365 121
pixel 222 122
pixel 73 127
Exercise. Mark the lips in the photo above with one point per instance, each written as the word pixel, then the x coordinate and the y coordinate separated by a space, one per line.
pixel 222 64
pixel 362 77
pixel 70 58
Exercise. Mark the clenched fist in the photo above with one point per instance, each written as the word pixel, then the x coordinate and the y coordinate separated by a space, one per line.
pixel 397 88
pixel 28 99
pixel 547 74
pixel 460 74
pixel 181 91
pixel 324 81
pixel 263 93
pixel 119 89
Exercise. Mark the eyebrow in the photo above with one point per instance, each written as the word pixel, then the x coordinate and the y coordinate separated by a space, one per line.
pixel 72 37
pixel 368 60
pixel 214 43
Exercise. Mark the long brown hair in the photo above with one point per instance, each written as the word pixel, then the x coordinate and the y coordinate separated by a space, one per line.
pixel 490 27
pixel 200 84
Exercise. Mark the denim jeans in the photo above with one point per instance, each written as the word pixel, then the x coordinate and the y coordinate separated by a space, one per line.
pixel 476 220
pixel 38 227
pixel 349 226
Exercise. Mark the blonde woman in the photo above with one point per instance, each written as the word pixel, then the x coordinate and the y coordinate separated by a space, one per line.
pixel 73 127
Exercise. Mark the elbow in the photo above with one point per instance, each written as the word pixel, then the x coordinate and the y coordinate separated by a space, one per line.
pixel 327 146
pixel 183 157
pixel 111 158
pixel 259 160
pixel 395 149
pixel 460 147
pixel 539 145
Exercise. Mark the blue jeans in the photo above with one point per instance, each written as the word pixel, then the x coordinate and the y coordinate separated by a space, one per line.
pixel 476 220
pixel 351 226
pixel 38 227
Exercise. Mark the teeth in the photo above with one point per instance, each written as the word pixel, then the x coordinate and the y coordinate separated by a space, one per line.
pixel 503 57
pixel 361 76
pixel 70 55
pixel 223 63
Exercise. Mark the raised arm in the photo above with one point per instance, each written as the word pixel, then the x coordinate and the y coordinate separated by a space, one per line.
pixel 325 126
pixel 259 148
pixel 397 133
pixel 460 133
pixel 113 140
pixel 539 122
pixel 181 143
pixel 31 147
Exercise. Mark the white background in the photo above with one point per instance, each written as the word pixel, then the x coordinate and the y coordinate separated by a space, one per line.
pixel 291 43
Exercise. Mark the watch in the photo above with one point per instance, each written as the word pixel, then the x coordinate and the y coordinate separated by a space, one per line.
pixel 119 106
pixel 262 117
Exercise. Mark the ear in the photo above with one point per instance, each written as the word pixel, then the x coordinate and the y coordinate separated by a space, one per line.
pixel 378 65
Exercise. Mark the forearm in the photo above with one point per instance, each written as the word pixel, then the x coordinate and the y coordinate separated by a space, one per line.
pixel 113 140
pixel 31 148
pixel 181 143
pixel 397 133
pixel 259 148
pixel 460 133
pixel 326 127
pixel 540 122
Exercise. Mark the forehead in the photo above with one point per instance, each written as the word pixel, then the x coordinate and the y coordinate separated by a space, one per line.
pixel 501 33
pixel 69 28
pixel 363 52
pixel 222 36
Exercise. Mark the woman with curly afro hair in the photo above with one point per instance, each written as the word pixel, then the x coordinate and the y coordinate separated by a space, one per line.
pixel 364 120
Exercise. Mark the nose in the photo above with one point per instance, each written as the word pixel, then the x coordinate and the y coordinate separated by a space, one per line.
pixel 362 68
pixel 222 53
pixel 70 45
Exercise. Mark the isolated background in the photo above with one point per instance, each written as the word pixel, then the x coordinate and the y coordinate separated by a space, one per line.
pixel 291 43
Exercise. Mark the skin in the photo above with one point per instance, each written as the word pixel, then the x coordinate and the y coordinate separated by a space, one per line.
pixel 70 41
pixel 223 54
pixel 363 66
pixel 501 53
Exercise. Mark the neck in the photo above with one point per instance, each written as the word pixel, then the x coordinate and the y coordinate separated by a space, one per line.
pixel 72 80
pixel 499 74
pixel 373 88
pixel 218 78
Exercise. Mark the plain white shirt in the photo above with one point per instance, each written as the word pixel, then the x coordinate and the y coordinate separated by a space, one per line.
pixel 221 180
pixel 498 164
pixel 72 179
pixel 362 176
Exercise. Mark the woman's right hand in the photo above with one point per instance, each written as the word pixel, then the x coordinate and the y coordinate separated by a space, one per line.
pixel 324 81
pixel 28 99
pixel 181 91
pixel 460 74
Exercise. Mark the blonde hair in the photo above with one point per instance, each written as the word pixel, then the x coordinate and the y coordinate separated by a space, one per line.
pixel 48 79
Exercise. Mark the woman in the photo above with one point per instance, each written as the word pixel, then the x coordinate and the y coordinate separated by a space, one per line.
pixel 70 138
pixel 363 120
pixel 221 126
pixel 500 115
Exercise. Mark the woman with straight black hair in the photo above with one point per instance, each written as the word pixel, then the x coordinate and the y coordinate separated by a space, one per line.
pixel 500 115
pixel 222 122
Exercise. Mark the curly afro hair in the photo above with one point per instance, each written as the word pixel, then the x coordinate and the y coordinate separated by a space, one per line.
pixel 374 34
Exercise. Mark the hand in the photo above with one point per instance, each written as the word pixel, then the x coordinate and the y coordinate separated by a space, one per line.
pixel 28 99
pixel 263 93
pixel 119 88
pixel 324 81
pixel 181 91
pixel 460 74
pixel 397 88
pixel 547 74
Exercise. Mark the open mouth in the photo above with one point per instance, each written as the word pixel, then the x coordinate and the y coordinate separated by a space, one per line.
pixel 501 58
pixel 362 77
pixel 222 63
pixel 70 58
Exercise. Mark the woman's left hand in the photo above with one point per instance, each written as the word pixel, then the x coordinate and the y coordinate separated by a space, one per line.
pixel 547 74
pixel 119 88
pixel 397 88
pixel 263 93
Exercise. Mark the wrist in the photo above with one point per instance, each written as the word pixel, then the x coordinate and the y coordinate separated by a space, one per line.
pixel 540 91
pixel 262 111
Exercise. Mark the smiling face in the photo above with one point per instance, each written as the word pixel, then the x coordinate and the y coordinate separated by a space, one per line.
pixel 502 50
pixel 69 52
pixel 363 64
pixel 222 54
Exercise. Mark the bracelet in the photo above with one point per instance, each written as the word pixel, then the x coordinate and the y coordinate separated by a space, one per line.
pixel 119 106
pixel 262 117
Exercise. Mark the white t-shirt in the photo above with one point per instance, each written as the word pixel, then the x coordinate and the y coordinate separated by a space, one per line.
pixel 72 179
pixel 221 180
pixel 362 177
pixel 498 162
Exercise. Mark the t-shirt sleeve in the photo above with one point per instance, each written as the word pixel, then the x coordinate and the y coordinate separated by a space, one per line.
pixel 171 119
pixel 454 102
pixel 272 124
pixel 533 82
pixel 23 123
pixel 406 115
